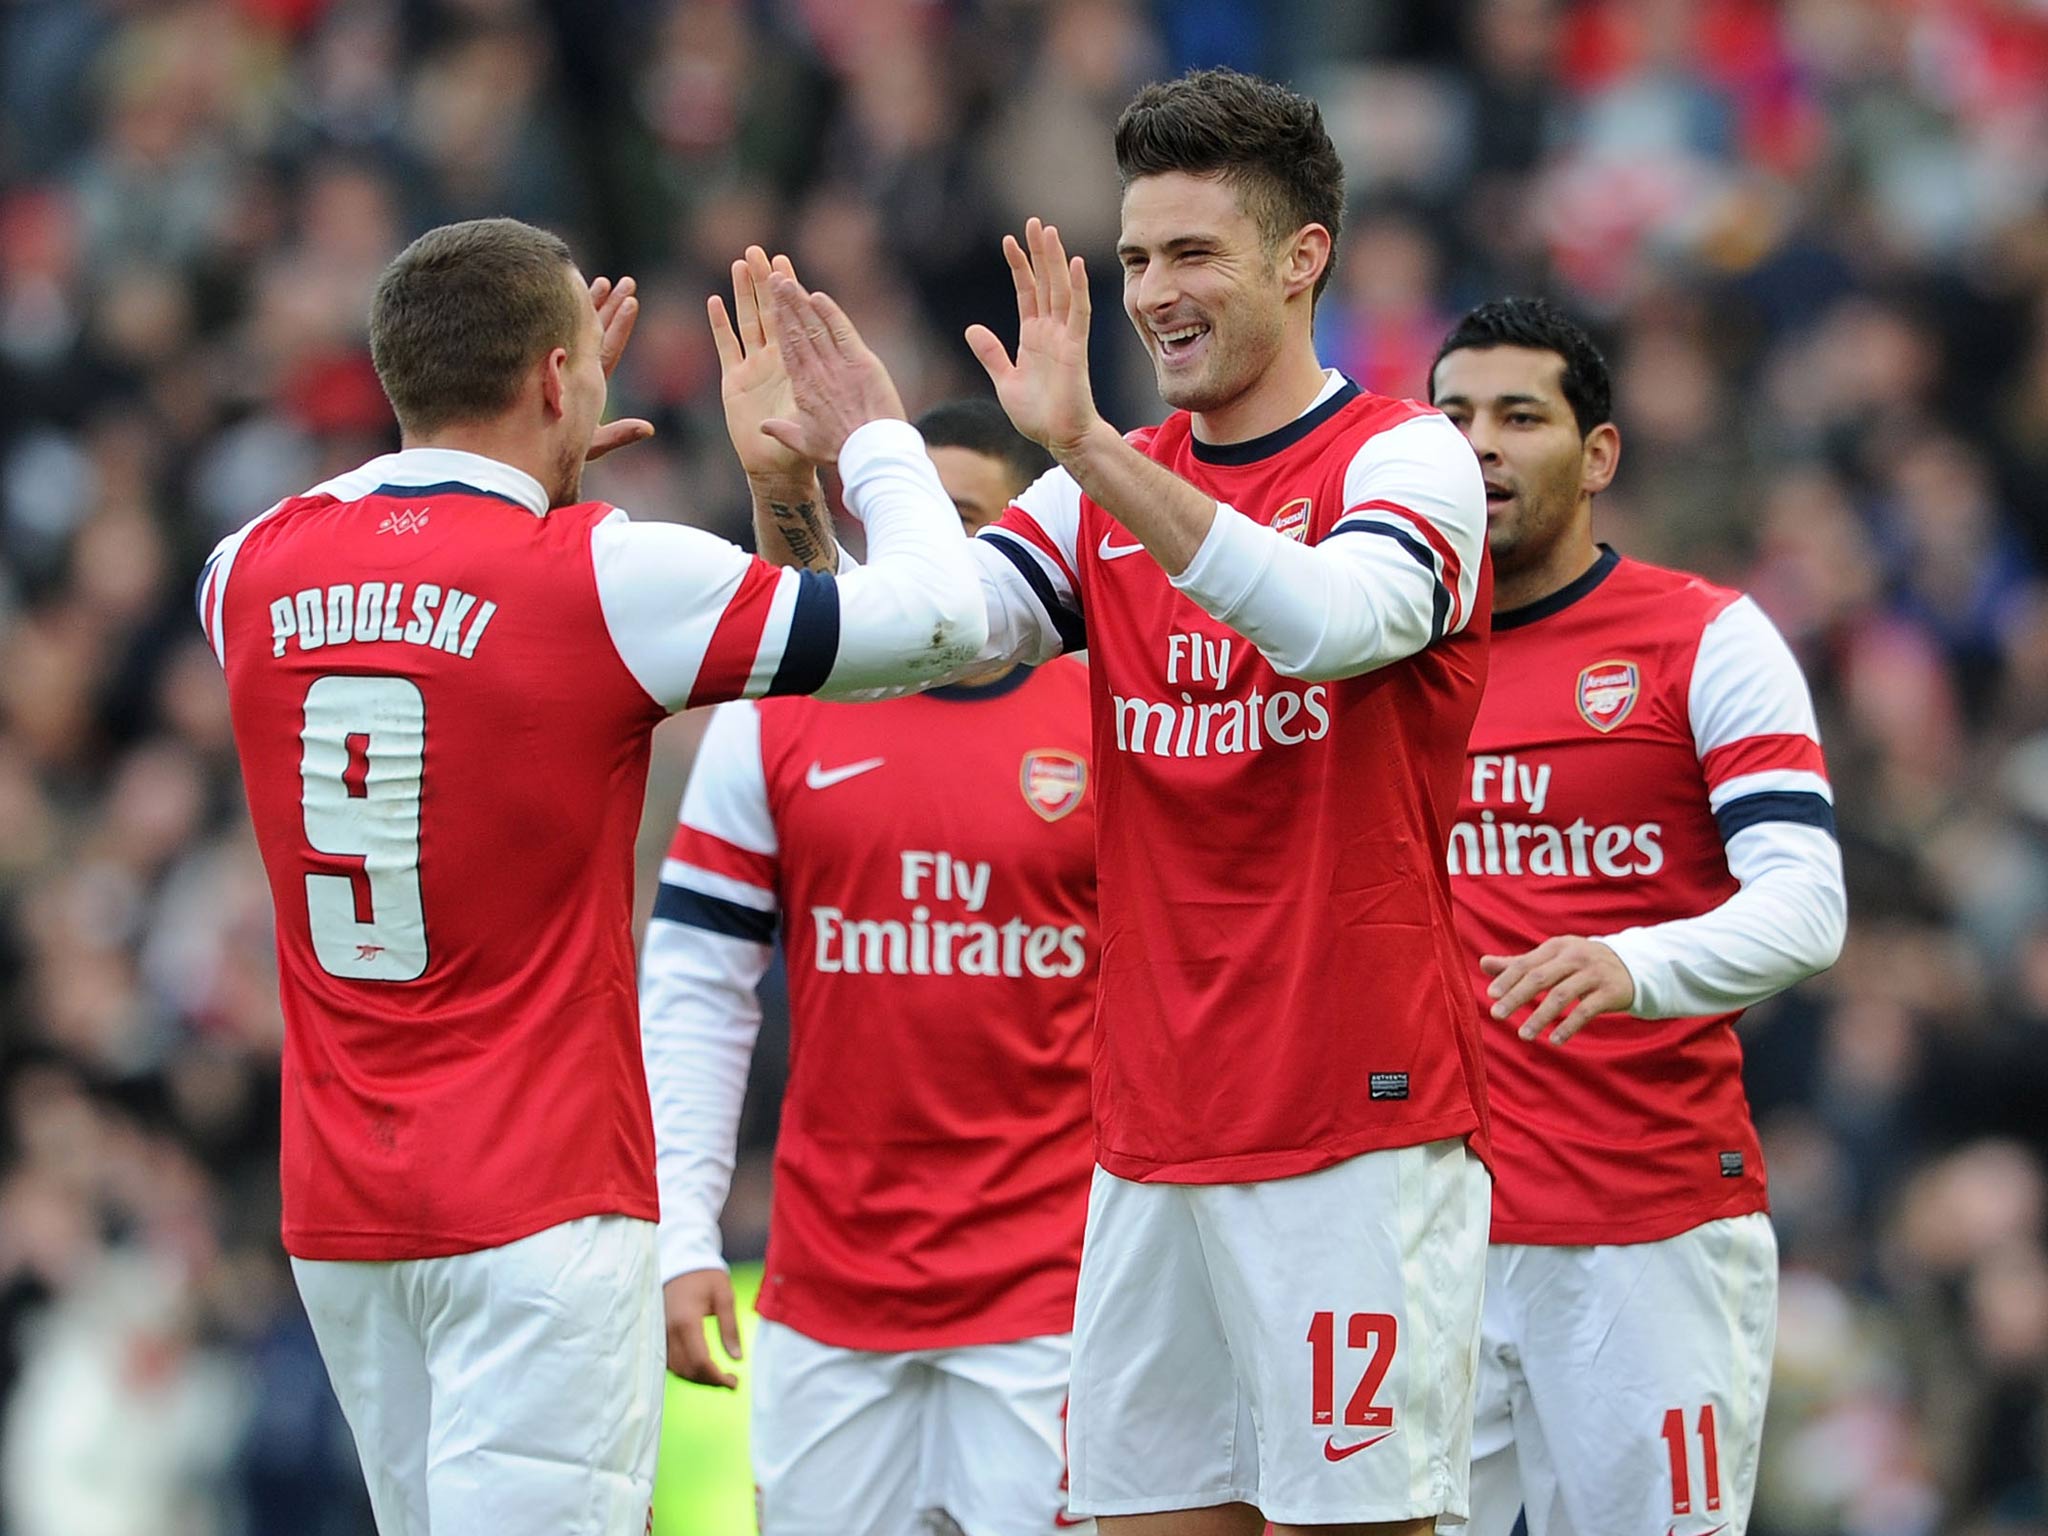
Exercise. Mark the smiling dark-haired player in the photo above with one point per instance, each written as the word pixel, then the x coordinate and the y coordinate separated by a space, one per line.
pixel 1282 589
pixel 1644 770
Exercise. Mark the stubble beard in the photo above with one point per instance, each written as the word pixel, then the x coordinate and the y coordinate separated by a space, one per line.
pixel 567 489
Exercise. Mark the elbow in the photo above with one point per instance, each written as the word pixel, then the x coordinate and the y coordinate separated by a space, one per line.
pixel 1316 668
pixel 1832 930
pixel 959 629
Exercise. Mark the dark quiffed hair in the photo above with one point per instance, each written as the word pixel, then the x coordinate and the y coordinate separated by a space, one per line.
pixel 462 313
pixel 980 426
pixel 1540 326
pixel 1268 141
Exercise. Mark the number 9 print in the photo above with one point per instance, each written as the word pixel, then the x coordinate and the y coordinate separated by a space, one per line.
pixel 365 747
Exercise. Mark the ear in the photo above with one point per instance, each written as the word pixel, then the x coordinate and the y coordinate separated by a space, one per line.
pixel 554 382
pixel 1305 258
pixel 1599 457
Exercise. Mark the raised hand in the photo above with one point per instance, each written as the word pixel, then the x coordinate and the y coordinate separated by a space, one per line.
pixel 836 383
pixel 753 385
pixel 618 308
pixel 1045 390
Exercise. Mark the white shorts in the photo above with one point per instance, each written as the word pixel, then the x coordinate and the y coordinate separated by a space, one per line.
pixel 1305 1345
pixel 849 1442
pixel 515 1391
pixel 1622 1388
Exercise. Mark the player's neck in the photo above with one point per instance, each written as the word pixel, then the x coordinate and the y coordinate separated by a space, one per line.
pixel 503 441
pixel 1567 561
pixel 1281 394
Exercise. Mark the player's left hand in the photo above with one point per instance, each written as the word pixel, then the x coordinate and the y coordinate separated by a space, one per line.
pixel 1578 979
pixel 618 308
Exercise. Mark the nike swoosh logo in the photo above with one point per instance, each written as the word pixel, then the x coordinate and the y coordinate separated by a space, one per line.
pixel 818 776
pixel 1673 1531
pixel 1066 1521
pixel 1334 1452
pixel 1110 551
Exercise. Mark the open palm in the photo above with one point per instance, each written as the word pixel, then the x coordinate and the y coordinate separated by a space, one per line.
pixel 1045 389
pixel 753 384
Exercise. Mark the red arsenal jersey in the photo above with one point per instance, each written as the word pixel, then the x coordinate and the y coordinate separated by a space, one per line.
pixel 442 694
pixel 1281 982
pixel 931 862
pixel 1633 724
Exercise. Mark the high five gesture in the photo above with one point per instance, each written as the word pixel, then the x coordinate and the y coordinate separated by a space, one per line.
pixel 1045 389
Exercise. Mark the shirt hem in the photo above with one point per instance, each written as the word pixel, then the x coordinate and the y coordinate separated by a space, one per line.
pixel 902 1341
pixel 1257 1167
pixel 1652 1228
pixel 373 1246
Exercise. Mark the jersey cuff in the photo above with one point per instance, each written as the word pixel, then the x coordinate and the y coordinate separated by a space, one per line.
pixel 870 446
pixel 1641 968
pixel 681 1251
pixel 1227 566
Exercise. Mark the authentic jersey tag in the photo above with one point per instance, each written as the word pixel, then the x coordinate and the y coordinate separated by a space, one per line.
pixel 1731 1165
pixel 1389 1085
pixel 1607 692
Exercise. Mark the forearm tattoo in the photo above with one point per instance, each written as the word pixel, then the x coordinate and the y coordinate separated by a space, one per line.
pixel 808 533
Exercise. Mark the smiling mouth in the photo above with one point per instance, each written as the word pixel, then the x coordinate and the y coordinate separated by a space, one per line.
pixel 1181 342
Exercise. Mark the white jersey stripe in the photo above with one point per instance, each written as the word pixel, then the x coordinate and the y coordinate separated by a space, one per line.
pixel 774 635
pixel 1745 682
pixel 1770 781
pixel 706 882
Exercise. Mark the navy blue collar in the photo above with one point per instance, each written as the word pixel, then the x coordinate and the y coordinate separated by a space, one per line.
pixel 1563 597
pixel 1253 449
pixel 971 693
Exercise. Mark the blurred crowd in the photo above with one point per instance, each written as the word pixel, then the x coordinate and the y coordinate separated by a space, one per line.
pixel 1812 234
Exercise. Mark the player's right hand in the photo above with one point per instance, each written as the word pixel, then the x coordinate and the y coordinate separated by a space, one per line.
pixel 687 1301
pixel 753 385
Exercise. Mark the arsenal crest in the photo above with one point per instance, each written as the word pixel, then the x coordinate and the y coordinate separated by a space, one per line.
pixel 1053 781
pixel 1607 692
pixel 1292 520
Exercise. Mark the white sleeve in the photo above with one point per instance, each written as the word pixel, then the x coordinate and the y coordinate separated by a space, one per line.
pixel 1028 558
pixel 212 593
pixel 697 620
pixel 1759 749
pixel 1025 562
pixel 707 946
pixel 1398 571
pixel 914 613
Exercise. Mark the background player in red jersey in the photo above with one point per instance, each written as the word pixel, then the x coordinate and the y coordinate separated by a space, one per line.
pixel 1279 1295
pixel 932 860
pixel 1645 769
pixel 443 672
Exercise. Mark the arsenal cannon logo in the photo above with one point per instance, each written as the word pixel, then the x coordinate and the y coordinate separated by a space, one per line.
pixel 1607 692
pixel 1053 781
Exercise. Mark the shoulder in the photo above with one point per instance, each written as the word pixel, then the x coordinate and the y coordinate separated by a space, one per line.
pixel 1162 441
pixel 1693 598
pixel 1366 415
pixel 1375 430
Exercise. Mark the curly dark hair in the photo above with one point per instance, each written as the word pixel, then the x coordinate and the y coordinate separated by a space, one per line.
pixel 1266 140
pixel 1540 326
